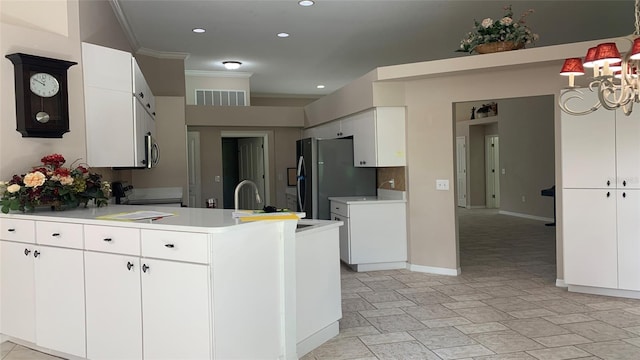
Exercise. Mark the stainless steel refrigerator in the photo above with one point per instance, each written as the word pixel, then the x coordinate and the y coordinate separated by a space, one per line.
pixel 325 168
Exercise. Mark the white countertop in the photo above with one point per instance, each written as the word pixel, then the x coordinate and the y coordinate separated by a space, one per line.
pixel 184 219
pixel 384 196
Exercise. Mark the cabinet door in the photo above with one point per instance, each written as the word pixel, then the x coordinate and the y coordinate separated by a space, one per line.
pixel 628 234
pixel 114 314
pixel 589 149
pixel 59 279
pixel 18 291
pixel 589 235
pixel 176 312
pixel 364 139
pixel 345 248
pixel 106 68
pixel 628 150
pixel 378 233
pixel 390 131
pixel 329 130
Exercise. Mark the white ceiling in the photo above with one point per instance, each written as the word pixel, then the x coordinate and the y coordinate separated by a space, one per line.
pixel 336 41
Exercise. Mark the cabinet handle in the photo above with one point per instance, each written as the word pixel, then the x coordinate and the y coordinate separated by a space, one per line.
pixel 608 194
pixel 55 234
pixel 154 113
pixel 36 253
pixel 129 265
pixel 26 252
pixel 170 246
pixel 624 194
pixel 11 230
pixel 624 182
pixel 141 95
pixel 145 268
pixel 608 182
pixel 107 239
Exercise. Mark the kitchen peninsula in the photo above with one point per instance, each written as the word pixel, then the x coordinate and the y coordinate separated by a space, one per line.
pixel 198 284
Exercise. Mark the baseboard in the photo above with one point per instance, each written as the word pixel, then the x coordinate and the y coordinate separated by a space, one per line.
pixel 561 283
pixel 433 270
pixel 379 266
pixel 320 337
pixel 476 207
pixel 607 292
pixel 526 216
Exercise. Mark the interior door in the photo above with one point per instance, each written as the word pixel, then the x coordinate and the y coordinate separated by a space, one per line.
pixel 492 165
pixel 193 150
pixel 251 167
pixel 461 170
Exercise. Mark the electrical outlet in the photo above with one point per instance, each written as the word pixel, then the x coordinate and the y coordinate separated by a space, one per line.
pixel 216 178
pixel 503 171
pixel 442 184
pixel 523 199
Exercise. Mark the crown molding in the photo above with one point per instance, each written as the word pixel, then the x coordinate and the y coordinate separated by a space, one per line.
pixel 218 74
pixel 122 19
pixel 163 54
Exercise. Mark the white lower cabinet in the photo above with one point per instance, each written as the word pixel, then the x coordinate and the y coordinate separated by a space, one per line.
pixel 601 232
pixel 628 213
pixel 18 289
pixel 114 313
pixel 176 293
pixel 374 232
pixel 59 279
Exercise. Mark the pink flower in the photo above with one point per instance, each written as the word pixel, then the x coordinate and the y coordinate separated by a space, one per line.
pixel 13 188
pixel 34 179
pixel 486 23
pixel 506 21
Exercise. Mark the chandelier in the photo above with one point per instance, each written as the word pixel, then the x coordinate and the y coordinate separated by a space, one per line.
pixel 615 77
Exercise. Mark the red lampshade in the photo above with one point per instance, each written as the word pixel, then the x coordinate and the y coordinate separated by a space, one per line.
pixel 616 66
pixel 635 49
pixel 572 66
pixel 590 58
pixel 607 53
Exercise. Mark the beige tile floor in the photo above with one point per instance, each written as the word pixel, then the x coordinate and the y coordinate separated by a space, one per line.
pixel 504 306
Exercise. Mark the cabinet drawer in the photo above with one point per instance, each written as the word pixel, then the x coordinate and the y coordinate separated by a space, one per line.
pixel 18 230
pixel 112 239
pixel 175 245
pixel 339 208
pixel 59 234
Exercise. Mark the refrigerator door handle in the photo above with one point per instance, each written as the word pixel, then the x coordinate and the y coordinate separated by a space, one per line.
pixel 299 179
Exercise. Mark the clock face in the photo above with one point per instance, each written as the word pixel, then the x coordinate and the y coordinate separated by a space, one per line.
pixel 43 84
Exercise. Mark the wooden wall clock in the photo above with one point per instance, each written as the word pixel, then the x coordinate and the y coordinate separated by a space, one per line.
pixel 42 101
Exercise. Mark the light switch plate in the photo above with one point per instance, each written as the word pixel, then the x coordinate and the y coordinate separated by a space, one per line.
pixel 442 184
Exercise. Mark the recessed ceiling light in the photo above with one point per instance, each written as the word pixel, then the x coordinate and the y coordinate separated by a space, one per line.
pixel 198 30
pixel 320 86
pixel 231 65
pixel 283 35
pixel 305 2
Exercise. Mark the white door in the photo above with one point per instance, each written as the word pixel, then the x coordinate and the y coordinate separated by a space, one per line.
pixel 168 299
pixel 461 170
pixel 114 315
pixel 251 167
pixel 18 291
pixel 492 165
pixel 59 279
pixel 193 152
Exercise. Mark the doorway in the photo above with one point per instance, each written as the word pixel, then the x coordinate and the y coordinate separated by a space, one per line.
pixel 492 168
pixel 245 157
pixel 193 158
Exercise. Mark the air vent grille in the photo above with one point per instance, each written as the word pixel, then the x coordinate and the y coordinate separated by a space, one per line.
pixel 214 97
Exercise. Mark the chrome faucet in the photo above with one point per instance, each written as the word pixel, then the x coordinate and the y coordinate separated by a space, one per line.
pixel 240 185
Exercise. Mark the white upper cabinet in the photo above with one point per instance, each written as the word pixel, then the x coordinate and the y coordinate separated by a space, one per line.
pixel 628 150
pixel 379 137
pixel 118 105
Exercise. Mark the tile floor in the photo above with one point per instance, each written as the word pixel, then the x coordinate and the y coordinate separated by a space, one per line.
pixel 504 306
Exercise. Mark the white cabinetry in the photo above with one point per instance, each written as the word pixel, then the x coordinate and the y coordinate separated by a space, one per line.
pixel 113 110
pixel 379 137
pixel 374 235
pixel 43 286
pixel 600 174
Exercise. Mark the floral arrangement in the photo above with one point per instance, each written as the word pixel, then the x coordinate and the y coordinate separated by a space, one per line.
pixel 504 29
pixel 51 184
